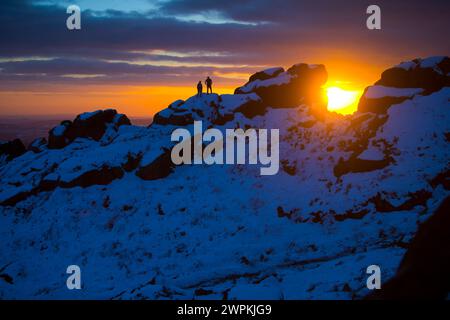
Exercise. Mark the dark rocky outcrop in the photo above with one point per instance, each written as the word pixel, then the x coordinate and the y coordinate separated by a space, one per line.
pixel 380 105
pixel 443 178
pixel 216 109
pixel 350 214
pixel 355 165
pixel 424 270
pixel 57 136
pixel 251 108
pixel 265 74
pixel 44 185
pixel 414 199
pixel 176 119
pixel 160 168
pixel 182 113
pixel 299 84
pixel 429 75
pixel 121 120
pixel 87 125
pixel 273 87
pixel 12 149
pixel 103 176
pixel 364 127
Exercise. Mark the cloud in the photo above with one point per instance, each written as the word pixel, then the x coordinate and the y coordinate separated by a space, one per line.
pixel 91 71
pixel 153 45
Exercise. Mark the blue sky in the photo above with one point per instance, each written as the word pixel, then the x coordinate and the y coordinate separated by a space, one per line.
pixel 141 6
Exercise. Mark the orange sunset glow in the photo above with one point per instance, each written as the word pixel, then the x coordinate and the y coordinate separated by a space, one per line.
pixel 145 100
pixel 157 55
pixel 342 101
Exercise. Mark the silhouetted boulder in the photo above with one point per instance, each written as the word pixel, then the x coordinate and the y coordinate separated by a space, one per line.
pixel 404 81
pixel 159 167
pixel 91 124
pixel 12 149
pixel 86 125
pixel 299 84
pixel 121 120
pixel 173 117
pixel 378 99
pixel 430 74
pixel 57 137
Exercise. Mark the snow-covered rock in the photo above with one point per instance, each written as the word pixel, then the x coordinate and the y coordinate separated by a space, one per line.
pixel 37 145
pixel 266 74
pixel 404 81
pixel 213 109
pixel 87 125
pixel 351 192
pixel 378 92
pixel 301 83
pixel 430 74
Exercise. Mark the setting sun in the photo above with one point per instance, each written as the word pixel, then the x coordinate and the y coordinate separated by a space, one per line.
pixel 342 101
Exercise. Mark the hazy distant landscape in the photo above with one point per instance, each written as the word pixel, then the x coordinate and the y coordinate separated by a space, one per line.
pixel 28 128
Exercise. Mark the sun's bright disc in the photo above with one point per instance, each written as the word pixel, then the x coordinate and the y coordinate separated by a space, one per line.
pixel 342 101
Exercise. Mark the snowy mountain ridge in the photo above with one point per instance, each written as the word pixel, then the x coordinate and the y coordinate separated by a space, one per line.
pixel 351 192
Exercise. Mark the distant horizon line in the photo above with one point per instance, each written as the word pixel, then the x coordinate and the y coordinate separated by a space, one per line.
pixel 59 115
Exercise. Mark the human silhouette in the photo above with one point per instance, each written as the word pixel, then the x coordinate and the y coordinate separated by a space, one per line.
pixel 208 83
pixel 199 89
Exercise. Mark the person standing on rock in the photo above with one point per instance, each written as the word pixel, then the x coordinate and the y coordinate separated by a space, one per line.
pixel 208 83
pixel 199 89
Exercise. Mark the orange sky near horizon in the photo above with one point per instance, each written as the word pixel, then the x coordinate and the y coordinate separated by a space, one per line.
pixel 138 101
pixel 143 101
pixel 138 56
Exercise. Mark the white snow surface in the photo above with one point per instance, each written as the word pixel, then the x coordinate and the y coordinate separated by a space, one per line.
pixel 377 92
pixel 59 130
pixel 282 78
pixel 430 62
pixel 224 228
pixel 272 71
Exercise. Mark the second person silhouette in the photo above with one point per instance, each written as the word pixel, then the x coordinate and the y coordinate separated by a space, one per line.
pixel 208 83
